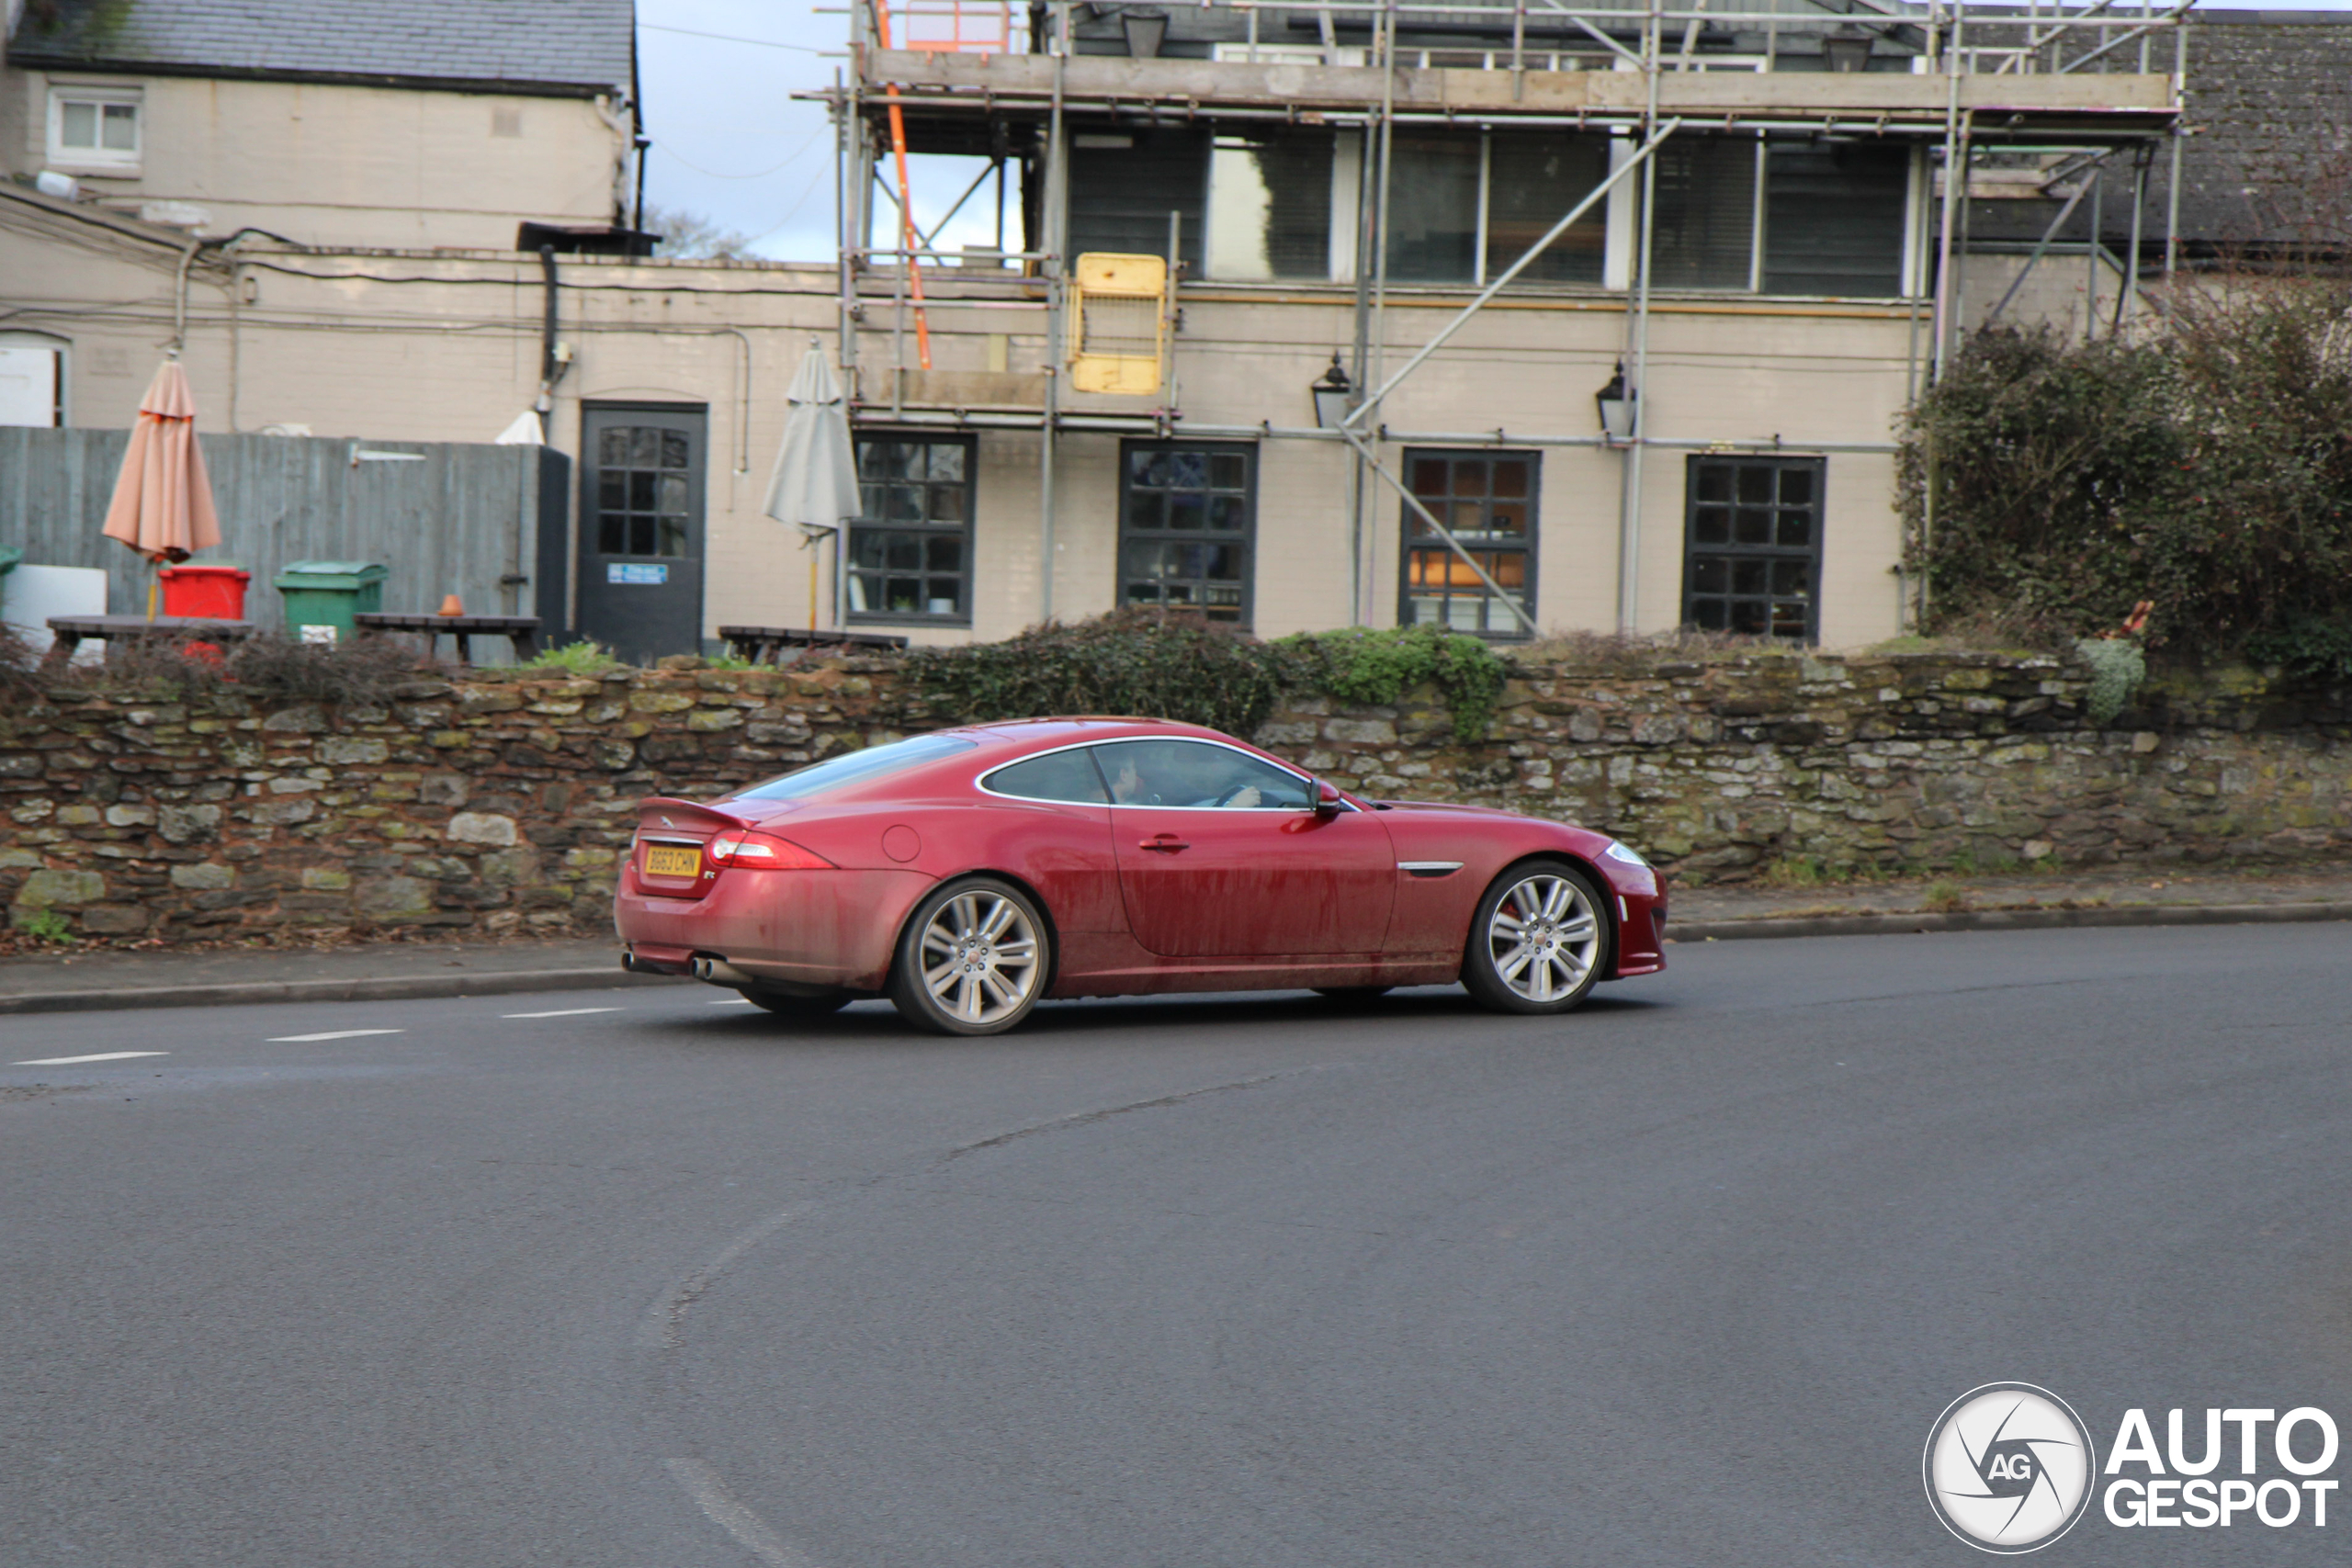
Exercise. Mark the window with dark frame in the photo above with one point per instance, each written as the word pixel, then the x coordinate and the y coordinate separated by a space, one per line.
pixel 1486 501
pixel 911 553
pixel 644 490
pixel 1752 550
pixel 1187 511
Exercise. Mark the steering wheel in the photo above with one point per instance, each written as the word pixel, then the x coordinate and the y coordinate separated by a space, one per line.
pixel 1226 798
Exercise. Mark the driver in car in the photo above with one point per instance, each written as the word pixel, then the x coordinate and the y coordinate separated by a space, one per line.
pixel 1128 789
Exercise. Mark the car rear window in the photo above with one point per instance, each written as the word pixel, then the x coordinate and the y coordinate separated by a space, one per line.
pixel 1056 775
pixel 858 767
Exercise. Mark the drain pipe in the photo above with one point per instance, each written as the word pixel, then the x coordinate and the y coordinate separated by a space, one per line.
pixel 553 362
pixel 179 298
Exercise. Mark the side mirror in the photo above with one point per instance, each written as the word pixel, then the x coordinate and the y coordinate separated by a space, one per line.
pixel 1327 800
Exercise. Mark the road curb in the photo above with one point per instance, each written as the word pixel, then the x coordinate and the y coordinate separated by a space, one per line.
pixel 2006 921
pixel 399 987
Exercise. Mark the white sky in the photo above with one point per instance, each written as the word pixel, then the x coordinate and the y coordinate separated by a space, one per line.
pixel 730 142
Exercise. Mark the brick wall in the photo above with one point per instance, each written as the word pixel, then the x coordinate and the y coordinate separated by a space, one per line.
pixel 500 806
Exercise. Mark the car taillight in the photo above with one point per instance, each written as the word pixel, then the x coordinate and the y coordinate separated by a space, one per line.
pixel 742 850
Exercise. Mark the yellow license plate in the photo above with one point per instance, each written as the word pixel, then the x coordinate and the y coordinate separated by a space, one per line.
pixel 669 860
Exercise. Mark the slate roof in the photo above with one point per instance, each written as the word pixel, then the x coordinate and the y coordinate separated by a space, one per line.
pixel 562 47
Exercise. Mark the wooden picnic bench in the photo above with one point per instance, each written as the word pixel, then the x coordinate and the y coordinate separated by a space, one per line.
pixel 765 645
pixel 520 632
pixel 69 631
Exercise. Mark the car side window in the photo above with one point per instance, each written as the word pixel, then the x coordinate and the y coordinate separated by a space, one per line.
pixel 1057 775
pixel 1193 774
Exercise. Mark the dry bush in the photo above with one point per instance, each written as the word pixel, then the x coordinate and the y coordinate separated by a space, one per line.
pixel 1620 651
pixel 2201 464
pixel 360 673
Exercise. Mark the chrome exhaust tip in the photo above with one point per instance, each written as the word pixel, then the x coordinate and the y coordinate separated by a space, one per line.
pixel 719 972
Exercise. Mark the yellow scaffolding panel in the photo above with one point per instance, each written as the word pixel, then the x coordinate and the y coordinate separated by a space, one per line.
pixel 1119 313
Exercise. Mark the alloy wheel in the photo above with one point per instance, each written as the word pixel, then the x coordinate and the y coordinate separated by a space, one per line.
pixel 980 957
pixel 1544 936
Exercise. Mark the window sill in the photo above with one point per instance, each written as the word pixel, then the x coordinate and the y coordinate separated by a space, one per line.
pixel 872 618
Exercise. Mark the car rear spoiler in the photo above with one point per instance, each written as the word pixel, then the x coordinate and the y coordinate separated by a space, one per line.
pixel 659 811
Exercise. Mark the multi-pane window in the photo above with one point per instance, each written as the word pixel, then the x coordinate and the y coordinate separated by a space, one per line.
pixel 1753 562
pixel 1486 501
pixel 1185 511
pixel 644 490
pixel 1466 205
pixel 1704 236
pixel 1270 203
pixel 94 127
pixel 910 555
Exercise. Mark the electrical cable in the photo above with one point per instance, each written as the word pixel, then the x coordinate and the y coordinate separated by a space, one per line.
pixel 669 151
pixel 731 38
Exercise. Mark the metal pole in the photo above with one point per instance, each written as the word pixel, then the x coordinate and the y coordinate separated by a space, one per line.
pixel 1629 492
pixel 2127 302
pixel 1428 518
pixel 2090 279
pixel 1955 182
pixel 1359 369
pixel 1376 343
pixel 2041 247
pixel 1916 256
pixel 2179 138
pixel 1461 318
pixel 1057 285
pixel 846 113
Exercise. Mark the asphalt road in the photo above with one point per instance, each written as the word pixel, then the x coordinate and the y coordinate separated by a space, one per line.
pixel 1682 1278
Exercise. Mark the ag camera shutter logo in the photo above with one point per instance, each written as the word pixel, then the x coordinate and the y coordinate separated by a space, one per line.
pixel 2008 1468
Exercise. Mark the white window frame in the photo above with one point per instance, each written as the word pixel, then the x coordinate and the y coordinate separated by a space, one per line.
pixel 95 160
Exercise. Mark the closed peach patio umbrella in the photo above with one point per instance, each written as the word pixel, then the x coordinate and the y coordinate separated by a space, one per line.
pixel 162 498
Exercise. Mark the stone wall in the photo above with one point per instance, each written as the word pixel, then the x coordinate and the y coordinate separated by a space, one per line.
pixel 501 805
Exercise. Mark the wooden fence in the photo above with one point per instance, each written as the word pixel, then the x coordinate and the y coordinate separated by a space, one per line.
pixel 485 523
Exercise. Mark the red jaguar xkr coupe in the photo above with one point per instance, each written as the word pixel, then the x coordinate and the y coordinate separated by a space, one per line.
pixel 968 874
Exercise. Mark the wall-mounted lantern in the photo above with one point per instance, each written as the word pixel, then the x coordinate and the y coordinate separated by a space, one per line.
pixel 1848 48
pixel 1332 395
pixel 1616 404
pixel 1145 31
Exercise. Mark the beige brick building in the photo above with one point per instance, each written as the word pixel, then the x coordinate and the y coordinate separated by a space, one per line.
pixel 330 227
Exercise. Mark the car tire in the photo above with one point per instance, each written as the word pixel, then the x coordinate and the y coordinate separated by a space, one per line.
pixel 1539 942
pixel 973 958
pixel 788 1004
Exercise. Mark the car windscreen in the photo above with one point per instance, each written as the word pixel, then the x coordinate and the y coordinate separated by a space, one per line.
pixel 858 767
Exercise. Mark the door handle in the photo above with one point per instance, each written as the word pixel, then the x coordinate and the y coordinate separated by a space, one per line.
pixel 1166 843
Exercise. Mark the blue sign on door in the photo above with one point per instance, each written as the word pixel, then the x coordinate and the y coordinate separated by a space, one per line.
pixel 617 571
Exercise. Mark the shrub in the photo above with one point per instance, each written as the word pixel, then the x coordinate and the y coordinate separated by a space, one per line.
pixel 45 925
pixel 2309 648
pixel 1144 663
pixel 580 658
pixel 2203 465
pixel 1368 665
pixel 2118 666
pixel 1158 664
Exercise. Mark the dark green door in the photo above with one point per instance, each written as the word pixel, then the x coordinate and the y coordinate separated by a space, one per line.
pixel 641 527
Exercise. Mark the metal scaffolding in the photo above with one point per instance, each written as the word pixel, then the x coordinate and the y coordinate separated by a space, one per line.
pixel 1973 116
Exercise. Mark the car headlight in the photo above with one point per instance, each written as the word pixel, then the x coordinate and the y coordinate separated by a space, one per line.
pixel 1626 853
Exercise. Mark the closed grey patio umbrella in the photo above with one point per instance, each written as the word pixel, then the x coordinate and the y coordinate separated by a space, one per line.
pixel 815 482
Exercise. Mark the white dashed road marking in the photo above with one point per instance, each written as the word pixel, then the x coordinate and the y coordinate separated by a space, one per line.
pixel 330 1034
pixel 560 1012
pixel 101 1056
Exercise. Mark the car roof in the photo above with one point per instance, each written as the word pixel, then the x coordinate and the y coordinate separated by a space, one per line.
pixel 1043 733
